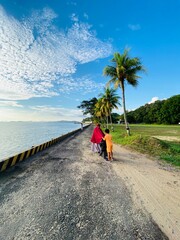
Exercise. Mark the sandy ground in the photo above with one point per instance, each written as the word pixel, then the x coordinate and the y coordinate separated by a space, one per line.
pixel 67 192
pixel 154 186
pixel 168 138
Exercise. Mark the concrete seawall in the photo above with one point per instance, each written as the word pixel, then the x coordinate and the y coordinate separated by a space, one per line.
pixel 13 160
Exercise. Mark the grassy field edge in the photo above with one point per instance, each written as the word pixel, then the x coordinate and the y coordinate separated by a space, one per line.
pixel 143 139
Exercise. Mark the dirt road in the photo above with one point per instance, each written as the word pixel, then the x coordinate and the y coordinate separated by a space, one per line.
pixel 68 192
pixel 154 186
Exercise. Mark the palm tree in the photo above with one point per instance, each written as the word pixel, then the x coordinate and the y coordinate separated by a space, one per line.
pixel 109 101
pixel 99 111
pixel 125 69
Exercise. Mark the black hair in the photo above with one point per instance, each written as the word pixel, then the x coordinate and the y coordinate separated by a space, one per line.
pixel 106 130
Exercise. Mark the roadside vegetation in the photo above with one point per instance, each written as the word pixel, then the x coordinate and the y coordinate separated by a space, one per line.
pixel 147 139
pixel 160 112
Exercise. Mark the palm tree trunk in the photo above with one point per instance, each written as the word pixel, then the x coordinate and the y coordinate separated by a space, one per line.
pixel 110 119
pixel 107 121
pixel 112 128
pixel 124 109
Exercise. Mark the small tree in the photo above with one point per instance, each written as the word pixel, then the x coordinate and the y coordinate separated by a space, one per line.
pixel 109 101
pixel 88 107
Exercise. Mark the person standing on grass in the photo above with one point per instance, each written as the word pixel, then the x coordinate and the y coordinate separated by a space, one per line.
pixel 109 144
pixel 97 138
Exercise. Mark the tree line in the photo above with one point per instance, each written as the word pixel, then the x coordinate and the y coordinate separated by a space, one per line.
pixel 160 112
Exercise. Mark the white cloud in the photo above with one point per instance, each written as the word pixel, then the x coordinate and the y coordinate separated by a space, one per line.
pixel 9 104
pixel 58 111
pixel 35 55
pixel 83 84
pixel 154 99
pixel 134 27
pixel 40 113
pixel 74 17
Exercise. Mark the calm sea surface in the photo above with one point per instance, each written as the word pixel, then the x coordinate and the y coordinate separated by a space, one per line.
pixel 16 137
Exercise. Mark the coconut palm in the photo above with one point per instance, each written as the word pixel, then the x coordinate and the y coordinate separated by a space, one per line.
pixel 109 101
pixel 125 69
pixel 100 112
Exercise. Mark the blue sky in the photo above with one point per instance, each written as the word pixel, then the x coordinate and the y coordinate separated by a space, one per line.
pixel 53 52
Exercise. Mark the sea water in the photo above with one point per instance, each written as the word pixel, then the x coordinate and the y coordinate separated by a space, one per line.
pixel 16 137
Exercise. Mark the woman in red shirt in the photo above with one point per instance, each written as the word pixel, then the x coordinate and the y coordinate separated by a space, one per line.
pixel 97 138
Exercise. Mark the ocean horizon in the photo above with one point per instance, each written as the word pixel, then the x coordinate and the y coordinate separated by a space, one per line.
pixel 18 136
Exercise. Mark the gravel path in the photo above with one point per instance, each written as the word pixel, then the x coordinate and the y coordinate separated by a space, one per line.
pixel 68 192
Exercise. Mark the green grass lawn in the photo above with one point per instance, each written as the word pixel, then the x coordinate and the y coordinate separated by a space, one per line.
pixel 162 141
